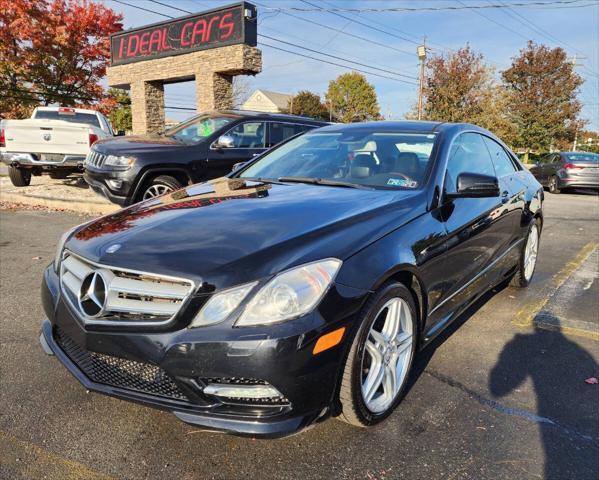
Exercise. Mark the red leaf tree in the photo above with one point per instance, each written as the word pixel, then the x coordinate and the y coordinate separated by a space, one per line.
pixel 53 52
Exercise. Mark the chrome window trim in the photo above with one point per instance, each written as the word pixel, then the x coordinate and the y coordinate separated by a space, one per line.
pixel 115 323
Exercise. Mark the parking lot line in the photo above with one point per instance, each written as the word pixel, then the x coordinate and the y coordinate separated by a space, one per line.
pixel 526 316
pixel 36 462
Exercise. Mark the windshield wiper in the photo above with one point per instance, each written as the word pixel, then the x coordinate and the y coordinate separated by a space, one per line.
pixel 260 179
pixel 324 181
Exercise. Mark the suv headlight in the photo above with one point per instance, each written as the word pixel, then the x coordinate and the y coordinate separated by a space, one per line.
pixel 119 162
pixel 290 294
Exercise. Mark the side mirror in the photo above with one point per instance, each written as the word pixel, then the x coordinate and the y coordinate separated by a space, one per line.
pixel 475 185
pixel 224 141
pixel 237 166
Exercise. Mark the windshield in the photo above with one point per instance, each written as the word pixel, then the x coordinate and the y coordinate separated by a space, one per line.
pixel 198 128
pixel 582 157
pixel 68 116
pixel 363 158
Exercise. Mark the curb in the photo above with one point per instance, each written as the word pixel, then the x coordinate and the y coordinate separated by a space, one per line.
pixel 88 208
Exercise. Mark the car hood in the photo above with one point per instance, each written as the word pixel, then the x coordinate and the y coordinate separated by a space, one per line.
pixel 226 232
pixel 137 144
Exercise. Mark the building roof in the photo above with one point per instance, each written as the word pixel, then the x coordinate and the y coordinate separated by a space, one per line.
pixel 280 100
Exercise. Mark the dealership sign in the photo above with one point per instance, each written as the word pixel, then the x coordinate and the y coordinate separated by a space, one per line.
pixel 227 25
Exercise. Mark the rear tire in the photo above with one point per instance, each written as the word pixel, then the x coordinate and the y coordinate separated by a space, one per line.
pixel 20 177
pixel 553 185
pixel 526 269
pixel 366 400
pixel 159 186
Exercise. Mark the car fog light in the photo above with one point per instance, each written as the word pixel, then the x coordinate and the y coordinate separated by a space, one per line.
pixel 242 391
pixel 115 184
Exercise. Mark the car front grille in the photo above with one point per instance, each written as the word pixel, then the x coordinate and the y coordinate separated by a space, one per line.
pixel 95 159
pixel 119 372
pixel 121 297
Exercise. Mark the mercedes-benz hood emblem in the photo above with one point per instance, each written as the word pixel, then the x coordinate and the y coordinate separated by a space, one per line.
pixel 92 295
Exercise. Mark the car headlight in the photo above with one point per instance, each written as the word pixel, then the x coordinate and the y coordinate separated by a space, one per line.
pixel 290 294
pixel 119 162
pixel 60 247
pixel 220 306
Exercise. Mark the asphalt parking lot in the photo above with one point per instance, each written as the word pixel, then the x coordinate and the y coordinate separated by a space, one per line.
pixel 500 395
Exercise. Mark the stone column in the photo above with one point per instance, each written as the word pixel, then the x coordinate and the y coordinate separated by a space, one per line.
pixel 147 106
pixel 214 91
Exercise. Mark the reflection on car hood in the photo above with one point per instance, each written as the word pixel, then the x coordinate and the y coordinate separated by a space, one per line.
pixel 136 144
pixel 228 231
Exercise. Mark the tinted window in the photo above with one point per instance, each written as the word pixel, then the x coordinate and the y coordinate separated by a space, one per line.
pixel 249 135
pixel 282 131
pixel 198 128
pixel 378 159
pixel 468 154
pixel 502 162
pixel 72 117
pixel 582 157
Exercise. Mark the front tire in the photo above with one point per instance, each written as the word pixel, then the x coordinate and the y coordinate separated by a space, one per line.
pixel 159 186
pixel 20 177
pixel 380 359
pixel 528 256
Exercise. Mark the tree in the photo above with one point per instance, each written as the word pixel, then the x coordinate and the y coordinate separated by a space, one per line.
pixel 542 103
pixel 53 52
pixel 308 104
pixel 352 98
pixel 120 115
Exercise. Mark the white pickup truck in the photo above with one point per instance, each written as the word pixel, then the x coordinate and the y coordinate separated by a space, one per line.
pixel 54 140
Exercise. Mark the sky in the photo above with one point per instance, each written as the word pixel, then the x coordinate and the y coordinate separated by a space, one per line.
pixel 389 40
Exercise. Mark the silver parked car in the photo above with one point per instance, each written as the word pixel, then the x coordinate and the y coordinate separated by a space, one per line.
pixel 558 171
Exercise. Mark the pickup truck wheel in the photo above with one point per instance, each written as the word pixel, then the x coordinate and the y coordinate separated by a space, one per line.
pixel 159 186
pixel 19 177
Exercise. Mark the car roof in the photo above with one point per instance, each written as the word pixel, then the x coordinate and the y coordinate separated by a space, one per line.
pixel 406 126
pixel 272 116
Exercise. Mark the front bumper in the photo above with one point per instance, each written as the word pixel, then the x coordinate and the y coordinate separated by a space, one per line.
pixel 97 182
pixel 187 357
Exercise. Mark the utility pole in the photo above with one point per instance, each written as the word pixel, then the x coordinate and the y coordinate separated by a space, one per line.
pixel 421 51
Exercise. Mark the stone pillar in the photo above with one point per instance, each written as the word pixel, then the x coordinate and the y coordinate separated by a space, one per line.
pixel 214 91
pixel 147 106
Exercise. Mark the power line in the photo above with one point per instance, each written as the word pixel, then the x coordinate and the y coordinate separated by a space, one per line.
pixel 337 64
pixel 337 58
pixel 316 8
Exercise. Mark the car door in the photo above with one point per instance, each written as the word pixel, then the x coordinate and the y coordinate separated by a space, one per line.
pixel 248 140
pixel 476 230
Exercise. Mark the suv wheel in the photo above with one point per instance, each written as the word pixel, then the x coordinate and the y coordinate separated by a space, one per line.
pixel 20 177
pixel 380 359
pixel 159 186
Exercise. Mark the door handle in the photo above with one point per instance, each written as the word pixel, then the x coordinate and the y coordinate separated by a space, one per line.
pixel 505 195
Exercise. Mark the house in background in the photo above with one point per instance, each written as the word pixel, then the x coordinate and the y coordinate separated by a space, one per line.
pixel 266 101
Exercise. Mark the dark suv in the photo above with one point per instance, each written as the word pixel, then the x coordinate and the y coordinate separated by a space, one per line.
pixel 130 169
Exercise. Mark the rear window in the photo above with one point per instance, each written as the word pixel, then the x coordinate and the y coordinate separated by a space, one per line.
pixel 582 157
pixel 68 116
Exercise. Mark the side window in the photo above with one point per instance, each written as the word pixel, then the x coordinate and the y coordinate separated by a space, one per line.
pixel 468 154
pixel 249 135
pixel 282 131
pixel 502 162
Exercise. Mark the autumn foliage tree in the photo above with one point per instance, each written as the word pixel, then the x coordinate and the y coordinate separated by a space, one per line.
pixel 543 100
pixel 352 98
pixel 53 52
pixel 308 104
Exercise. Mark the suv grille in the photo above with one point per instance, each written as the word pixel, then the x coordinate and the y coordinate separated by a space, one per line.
pixel 95 159
pixel 118 372
pixel 120 297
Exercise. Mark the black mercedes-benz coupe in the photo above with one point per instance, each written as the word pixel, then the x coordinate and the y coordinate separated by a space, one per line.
pixel 303 285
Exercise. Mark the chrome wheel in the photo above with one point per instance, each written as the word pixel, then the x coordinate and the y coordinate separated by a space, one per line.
pixel 156 190
pixel 387 355
pixel 530 252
